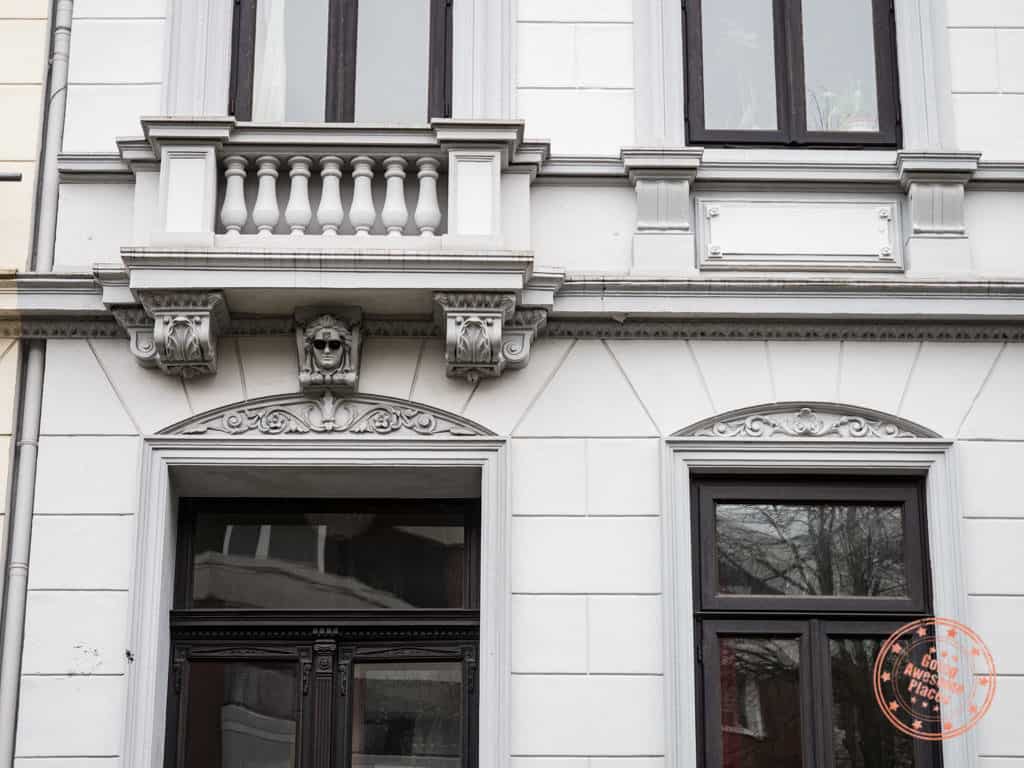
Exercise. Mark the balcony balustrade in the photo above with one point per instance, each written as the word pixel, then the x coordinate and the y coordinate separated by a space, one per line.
pixel 228 185
pixel 332 195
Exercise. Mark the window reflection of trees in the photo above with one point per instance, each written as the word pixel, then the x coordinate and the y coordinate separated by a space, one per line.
pixel 810 549
pixel 760 689
pixel 861 737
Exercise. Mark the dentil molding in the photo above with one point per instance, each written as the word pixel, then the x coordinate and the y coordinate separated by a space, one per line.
pixel 806 420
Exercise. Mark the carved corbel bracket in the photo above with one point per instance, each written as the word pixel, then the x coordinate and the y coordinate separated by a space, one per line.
pixel 662 178
pixel 934 182
pixel 474 324
pixel 184 330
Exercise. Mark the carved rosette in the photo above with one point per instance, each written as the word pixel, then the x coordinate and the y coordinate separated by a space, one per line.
pixel 183 336
pixel 328 344
pixel 484 334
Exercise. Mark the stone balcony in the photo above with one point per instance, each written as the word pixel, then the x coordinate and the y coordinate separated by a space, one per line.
pixel 246 220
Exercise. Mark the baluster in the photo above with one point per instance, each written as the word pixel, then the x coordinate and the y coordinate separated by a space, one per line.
pixel 428 210
pixel 233 211
pixel 298 214
pixel 394 215
pixel 266 212
pixel 362 214
pixel 330 213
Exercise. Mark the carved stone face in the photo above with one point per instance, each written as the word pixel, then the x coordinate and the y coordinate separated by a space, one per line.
pixel 328 349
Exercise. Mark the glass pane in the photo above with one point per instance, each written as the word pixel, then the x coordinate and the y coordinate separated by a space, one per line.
pixel 393 61
pixel 759 681
pixel 861 736
pixel 407 714
pixel 290 72
pixel 355 560
pixel 839 66
pixel 739 65
pixel 810 549
pixel 241 715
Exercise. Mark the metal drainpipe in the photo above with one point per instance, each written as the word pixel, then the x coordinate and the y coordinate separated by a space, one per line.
pixel 27 446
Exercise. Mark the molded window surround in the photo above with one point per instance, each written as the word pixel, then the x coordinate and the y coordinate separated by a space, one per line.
pixel 170 465
pixel 934 458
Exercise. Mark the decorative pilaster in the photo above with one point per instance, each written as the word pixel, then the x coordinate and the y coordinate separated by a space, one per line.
pixel 935 182
pixel 185 327
pixel 473 332
pixel 663 241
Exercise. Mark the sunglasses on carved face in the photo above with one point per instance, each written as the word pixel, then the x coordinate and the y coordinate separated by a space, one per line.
pixel 321 344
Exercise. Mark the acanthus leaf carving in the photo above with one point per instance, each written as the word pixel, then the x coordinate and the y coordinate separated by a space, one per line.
pixel 807 421
pixel 181 338
pixel 328 414
pixel 485 334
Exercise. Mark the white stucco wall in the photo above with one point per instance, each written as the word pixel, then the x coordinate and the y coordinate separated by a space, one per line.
pixel 574 74
pixel 107 93
pixel 986 42
pixel 585 420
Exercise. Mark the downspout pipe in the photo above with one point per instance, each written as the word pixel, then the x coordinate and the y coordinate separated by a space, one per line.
pixel 12 637
pixel 46 234
pixel 27 450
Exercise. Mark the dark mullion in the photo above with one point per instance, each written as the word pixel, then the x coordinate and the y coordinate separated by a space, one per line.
pixel 244 59
pixel 341 61
pixel 821 691
pixel 809 724
pixel 886 70
pixel 788 67
pixel 439 74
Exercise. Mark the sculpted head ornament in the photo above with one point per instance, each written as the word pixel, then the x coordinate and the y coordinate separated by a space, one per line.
pixel 328 350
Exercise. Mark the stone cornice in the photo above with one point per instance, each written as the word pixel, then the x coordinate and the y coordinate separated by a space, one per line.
pixel 70 304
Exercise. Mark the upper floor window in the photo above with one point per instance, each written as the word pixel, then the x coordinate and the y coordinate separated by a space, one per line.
pixel 375 61
pixel 792 72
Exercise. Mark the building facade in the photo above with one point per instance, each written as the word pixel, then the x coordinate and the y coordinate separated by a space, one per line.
pixel 550 384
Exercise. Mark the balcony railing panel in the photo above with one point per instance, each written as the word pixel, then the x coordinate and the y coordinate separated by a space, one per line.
pixel 333 195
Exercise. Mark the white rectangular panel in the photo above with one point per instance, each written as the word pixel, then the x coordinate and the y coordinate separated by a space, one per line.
pixel 811 233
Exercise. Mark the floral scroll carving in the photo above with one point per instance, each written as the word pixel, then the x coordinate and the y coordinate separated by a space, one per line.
pixel 814 420
pixel 358 415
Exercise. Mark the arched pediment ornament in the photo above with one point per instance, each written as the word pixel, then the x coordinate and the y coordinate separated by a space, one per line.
pixel 329 414
pixel 807 420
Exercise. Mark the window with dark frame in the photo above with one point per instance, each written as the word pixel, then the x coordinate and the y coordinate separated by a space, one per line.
pixel 325 633
pixel 791 72
pixel 379 62
pixel 798 581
